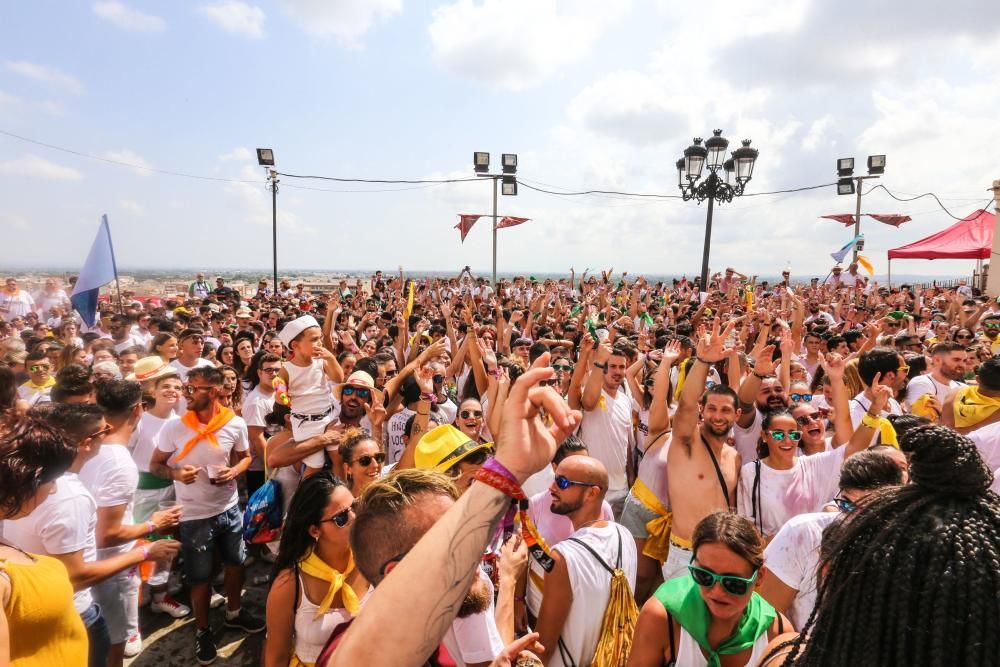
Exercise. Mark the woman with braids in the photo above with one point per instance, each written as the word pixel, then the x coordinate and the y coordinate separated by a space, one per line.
pixel 781 484
pixel 362 460
pixel 913 577
pixel 316 586
pixel 713 617
pixel 38 625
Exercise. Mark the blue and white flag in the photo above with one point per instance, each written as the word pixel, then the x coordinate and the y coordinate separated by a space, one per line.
pixel 97 271
pixel 842 253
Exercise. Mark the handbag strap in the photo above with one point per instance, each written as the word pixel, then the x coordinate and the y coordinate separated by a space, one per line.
pixel 755 498
pixel 718 471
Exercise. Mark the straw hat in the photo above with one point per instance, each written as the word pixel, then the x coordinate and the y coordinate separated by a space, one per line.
pixel 150 368
pixel 444 446
pixel 360 380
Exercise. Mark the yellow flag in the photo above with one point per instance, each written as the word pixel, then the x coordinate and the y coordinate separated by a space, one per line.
pixel 409 302
pixel 866 264
pixel 749 300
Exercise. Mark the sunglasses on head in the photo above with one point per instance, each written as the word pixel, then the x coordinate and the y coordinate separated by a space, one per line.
pixel 341 518
pixel 359 391
pixel 794 436
pixel 844 505
pixel 564 482
pixel 730 583
pixel 366 460
pixel 800 398
pixel 802 420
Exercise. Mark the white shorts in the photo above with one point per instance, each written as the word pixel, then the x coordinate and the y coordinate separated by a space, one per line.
pixel 118 597
pixel 678 558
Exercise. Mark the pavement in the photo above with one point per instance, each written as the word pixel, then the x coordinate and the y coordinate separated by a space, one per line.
pixel 169 642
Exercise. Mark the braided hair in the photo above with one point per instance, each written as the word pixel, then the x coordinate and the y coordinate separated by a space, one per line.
pixel 913 576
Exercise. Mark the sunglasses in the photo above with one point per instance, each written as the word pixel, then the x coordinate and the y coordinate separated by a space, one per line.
pixel 649 382
pixel 37 368
pixel 730 583
pixel 340 518
pixel 366 460
pixel 963 336
pixel 361 392
pixel 99 434
pixel 903 369
pixel 190 389
pixel 470 414
pixel 992 325
pixel 549 383
pixel 800 398
pixel 438 379
pixel 802 420
pixel 794 436
pixel 391 374
pixel 892 325
pixel 270 371
pixel 564 482
pixel 569 367
pixel 844 505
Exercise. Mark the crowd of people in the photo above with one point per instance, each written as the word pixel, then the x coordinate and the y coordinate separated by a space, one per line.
pixel 581 471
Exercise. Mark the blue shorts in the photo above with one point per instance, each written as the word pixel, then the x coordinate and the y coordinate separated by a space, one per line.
pixel 200 537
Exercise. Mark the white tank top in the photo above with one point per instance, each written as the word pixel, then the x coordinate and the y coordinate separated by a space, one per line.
pixel 311 633
pixel 689 653
pixel 308 388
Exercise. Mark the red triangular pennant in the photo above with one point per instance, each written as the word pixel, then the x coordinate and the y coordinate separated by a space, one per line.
pixel 894 220
pixel 465 222
pixel 511 221
pixel 846 219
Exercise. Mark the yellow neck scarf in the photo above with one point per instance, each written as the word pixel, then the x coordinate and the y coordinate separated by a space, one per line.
pixel 204 431
pixel 315 566
pixel 972 406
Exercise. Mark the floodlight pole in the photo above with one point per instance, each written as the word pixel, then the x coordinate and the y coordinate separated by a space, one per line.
pixel 273 181
pixel 857 215
pixel 495 179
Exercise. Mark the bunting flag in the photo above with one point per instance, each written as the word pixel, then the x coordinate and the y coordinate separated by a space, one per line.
pixel 465 222
pixel 842 253
pixel 846 219
pixel 866 264
pixel 885 218
pixel 511 221
pixel 98 270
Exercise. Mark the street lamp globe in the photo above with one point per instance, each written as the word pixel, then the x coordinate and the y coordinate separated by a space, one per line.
pixel 744 158
pixel 680 173
pixel 729 167
pixel 694 159
pixel 716 145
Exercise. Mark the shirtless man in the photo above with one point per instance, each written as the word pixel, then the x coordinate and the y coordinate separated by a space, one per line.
pixel 694 450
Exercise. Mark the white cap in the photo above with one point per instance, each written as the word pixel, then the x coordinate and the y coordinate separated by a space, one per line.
pixel 295 327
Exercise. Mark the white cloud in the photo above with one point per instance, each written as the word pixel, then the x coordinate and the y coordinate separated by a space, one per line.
pixel 238 154
pixel 48 76
pixel 236 17
pixel 132 207
pixel 127 18
pixel 518 43
pixel 131 158
pixel 817 133
pixel 346 20
pixel 36 167
pixel 8 101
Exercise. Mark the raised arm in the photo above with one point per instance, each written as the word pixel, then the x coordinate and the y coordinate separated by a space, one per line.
pixel 595 381
pixel 763 368
pixel 710 349
pixel 833 366
pixel 659 411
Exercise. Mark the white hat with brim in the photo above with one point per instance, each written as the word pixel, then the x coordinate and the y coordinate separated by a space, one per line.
pixel 150 368
pixel 360 380
pixel 291 330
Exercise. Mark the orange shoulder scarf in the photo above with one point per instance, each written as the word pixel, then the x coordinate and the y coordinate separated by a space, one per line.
pixel 204 431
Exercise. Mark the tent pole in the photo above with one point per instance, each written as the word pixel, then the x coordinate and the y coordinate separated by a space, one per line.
pixel 890 274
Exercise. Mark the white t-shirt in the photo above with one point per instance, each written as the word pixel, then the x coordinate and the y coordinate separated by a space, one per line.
pixel 474 638
pixel 62 524
pixel 591 586
pixel 202 499
pixel 925 384
pixel 745 439
pixel 146 437
pixel 112 478
pixel 256 406
pixel 608 435
pixel 987 441
pixel 46 300
pixel 805 487
pixel 793 557
pixel 860 405
pixel 183 370
pixel 130 341
pixel 395 428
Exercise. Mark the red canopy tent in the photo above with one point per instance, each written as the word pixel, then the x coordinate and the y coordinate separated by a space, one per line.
pixel 969 238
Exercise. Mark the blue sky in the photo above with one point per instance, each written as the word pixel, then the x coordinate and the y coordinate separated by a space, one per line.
pixel 588 94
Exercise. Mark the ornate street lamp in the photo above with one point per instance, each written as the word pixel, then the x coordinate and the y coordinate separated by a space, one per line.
pixel 737 172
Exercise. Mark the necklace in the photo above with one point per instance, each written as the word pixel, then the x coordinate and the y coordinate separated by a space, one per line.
pixel 589 523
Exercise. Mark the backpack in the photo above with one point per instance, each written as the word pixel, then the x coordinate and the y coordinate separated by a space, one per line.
pixel 618 624
pixel 264 515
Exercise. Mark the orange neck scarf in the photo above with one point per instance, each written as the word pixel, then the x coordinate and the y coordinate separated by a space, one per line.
pixel 204 431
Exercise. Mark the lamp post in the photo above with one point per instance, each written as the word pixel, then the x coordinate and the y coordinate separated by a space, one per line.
pixel 737 172
pixel 508 180
pixel 265 158
pixel 848 184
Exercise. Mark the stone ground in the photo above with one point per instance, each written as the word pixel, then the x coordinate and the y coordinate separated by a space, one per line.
pixel 169 642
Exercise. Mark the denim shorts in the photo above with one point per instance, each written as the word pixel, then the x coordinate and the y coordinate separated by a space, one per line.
pixel 635 516
pixel 200 537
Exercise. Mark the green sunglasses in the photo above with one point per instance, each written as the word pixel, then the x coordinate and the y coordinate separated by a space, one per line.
pixel 794 436
pixel 730 583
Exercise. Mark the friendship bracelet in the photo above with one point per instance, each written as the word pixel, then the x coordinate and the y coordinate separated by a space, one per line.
pixel 151 526
pixel 432 398
pixel 145 553
pixel 500 482
pixel 496 466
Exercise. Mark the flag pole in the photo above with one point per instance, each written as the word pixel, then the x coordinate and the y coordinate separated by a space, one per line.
pixel 114 264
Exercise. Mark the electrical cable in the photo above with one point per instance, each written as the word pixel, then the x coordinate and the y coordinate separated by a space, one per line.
pixel 926 194
pixel 382 180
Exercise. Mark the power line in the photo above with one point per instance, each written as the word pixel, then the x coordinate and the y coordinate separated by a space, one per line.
pixel 381 180
pixel 926 194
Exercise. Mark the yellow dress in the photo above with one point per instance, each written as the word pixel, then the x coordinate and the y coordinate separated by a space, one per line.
pixel 44 628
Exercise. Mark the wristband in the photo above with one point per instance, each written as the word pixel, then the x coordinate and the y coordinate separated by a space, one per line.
pixel 761 376
pixel 497 467
pixel 500 481
pixel 431 398
pixel 601 366
pixel 707 363
pixel 496 372
pixel 519 598
pixel 145 553
pixel 151 526
pixel 871 421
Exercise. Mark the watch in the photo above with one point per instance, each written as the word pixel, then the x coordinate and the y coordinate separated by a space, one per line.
pixel 601 366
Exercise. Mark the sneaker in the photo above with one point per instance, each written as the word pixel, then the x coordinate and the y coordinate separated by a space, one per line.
pixel 246 621
pixel 204 645
pixel 216 600
pixel 168 605
pixel 133 646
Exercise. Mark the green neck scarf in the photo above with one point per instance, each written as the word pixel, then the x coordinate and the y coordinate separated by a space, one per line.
pixel 682 599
